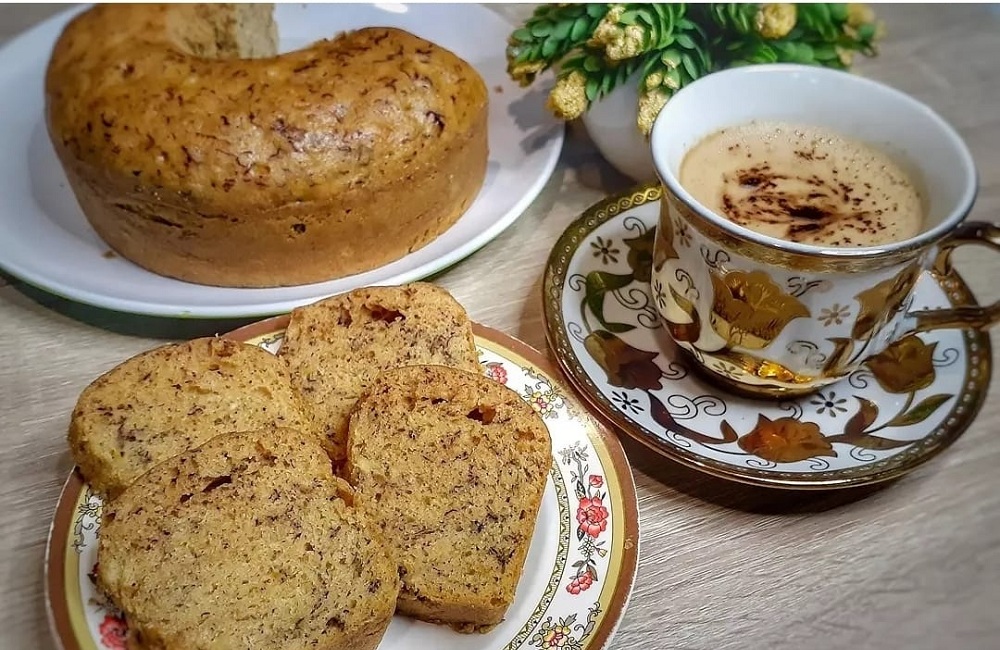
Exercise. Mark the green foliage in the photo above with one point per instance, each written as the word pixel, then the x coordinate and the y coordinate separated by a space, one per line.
pixel 735 18
pixel 667 46
pixel 551 32
pixel 602 76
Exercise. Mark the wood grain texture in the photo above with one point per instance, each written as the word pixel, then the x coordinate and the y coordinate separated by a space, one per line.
pixel 915 564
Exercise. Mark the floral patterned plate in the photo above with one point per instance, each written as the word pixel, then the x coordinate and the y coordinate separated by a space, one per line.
pixel 903 407
pixel 580 567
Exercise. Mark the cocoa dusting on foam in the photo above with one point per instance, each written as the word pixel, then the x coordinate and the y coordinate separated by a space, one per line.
pixel 803 184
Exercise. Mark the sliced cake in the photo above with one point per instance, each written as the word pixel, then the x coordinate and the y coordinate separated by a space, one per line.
pixel 335 348
pixel 453 466
pixel 248 541
pixel 164 401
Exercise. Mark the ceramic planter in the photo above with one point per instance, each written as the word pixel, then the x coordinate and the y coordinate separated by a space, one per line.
pixel 611 123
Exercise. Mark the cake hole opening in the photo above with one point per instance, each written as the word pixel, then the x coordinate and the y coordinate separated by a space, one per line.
pixel 384 314
pixel 217 482
pixel 482 413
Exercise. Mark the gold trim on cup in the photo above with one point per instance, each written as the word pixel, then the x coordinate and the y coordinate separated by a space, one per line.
pixel 797 256
pixel 728 294
pixel 778 254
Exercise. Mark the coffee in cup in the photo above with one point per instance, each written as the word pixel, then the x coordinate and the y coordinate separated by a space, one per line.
pixel 801 205
pixel 803 183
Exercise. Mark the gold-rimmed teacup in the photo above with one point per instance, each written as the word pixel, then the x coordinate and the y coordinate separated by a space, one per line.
pixel 770 317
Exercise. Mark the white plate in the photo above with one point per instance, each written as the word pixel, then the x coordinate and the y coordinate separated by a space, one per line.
pixel 47 241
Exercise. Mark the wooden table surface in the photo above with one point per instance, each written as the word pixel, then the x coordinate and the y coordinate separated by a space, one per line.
pixel 915 564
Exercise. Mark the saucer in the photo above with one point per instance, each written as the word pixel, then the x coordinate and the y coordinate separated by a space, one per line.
pixel 898 411
pixel 580 567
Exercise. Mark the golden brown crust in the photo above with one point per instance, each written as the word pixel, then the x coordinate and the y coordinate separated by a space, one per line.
pixel 297 168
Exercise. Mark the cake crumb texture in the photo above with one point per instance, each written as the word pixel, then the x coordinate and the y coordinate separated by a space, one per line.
pixel 453 466
pixel 169 399
pixel 246 542
pixel 335 348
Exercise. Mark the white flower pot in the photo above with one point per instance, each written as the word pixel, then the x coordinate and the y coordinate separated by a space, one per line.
pixel 611 123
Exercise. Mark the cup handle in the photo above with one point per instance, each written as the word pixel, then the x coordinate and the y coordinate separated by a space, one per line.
pixel 981 233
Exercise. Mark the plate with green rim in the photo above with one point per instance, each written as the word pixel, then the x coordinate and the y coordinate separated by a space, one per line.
pixel 581 564
pixel 897 412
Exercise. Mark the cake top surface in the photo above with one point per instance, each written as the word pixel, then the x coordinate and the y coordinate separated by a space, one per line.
pixel 161 100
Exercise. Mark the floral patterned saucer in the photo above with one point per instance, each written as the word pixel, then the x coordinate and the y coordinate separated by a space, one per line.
pixel 903 407
pixel 580 567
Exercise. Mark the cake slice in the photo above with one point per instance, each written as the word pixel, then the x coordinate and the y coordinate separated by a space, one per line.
pixel 248 541
pixel 335 348
pixel 453 466
pixel 161 402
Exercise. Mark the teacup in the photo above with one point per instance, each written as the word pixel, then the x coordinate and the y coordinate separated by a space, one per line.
pixel 769 317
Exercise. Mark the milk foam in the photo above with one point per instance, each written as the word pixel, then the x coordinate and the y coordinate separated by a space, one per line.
pixel 803 184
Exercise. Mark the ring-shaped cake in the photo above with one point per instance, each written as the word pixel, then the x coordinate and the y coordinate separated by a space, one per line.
pixel 199 153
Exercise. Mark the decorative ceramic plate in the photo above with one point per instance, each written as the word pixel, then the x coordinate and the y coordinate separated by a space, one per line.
pixel 48 243
pixel 900 409
pixel 580 567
